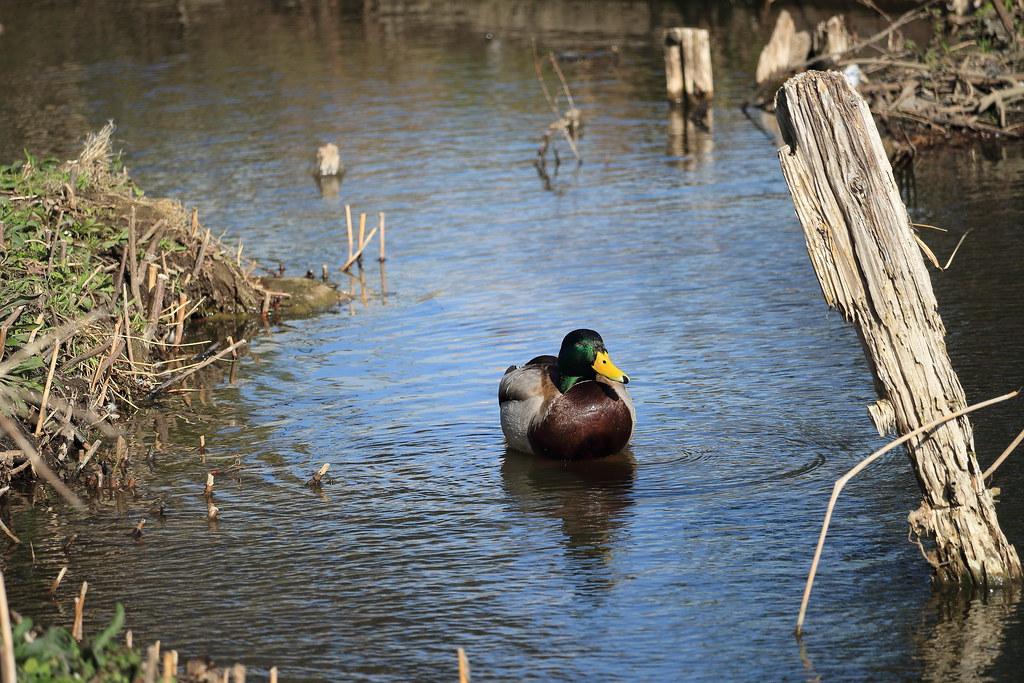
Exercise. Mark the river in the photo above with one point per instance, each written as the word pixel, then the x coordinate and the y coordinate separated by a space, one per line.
pixel 682 559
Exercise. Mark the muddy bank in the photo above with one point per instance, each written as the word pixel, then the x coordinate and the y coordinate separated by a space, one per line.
pixel 102 286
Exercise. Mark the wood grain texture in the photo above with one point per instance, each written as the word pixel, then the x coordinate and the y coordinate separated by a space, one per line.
pixel 861 245
pixel 688 65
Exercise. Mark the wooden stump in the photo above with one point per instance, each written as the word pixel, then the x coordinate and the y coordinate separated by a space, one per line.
pixel 688 66
pixel 786 48
pixel 328 161
pixel 860 242
pixel 831 38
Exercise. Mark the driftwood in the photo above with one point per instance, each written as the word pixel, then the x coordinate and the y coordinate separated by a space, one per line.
pixel 863 251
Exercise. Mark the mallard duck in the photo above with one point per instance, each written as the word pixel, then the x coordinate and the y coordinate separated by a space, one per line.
pixel 571 407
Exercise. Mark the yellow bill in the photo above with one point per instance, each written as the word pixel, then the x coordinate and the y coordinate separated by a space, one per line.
pixel 603 365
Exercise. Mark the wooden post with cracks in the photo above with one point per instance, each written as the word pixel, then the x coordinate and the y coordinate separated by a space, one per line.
pixel 859 238
pixel 688 67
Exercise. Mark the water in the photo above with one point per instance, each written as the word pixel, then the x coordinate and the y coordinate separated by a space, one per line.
pixel 683 558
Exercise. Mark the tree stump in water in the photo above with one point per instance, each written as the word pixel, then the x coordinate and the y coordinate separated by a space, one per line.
pixel 688 66
pixel 860 242
pixel 785 49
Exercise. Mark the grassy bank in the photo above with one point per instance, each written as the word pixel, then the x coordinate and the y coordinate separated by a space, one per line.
pixel 100 286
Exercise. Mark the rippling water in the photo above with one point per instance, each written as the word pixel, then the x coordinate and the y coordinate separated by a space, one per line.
pixel 683 558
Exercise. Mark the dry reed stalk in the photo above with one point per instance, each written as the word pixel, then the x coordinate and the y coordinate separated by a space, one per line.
pixel 314 482
pixel 195 222
pixel 8 667
pixel 233 374
pixel 58 334
pixel 127 331
pixel 362 236
pixel 129 639
pixel 238 255
pixel 6 325
pixel 152 662
pixel 202 446
pixel 151 271
pixel 35 331
pixel 323 272
pixel 265 309
pixel 156 306
pixel 54 352
pixel 202 254
pixel 348 224
pixel 39 467
pixel 238 673
pixel 169 672
pixel 179 325
pixel 1005 454
pixel 198 366
pixel 116 342
pixel 55 584
pixel 88 456
pixel 273 674
pixel 380 222
pixel 463 666
pixel 133 258
pixel 208 490
pixel 76 627
pixel 841 482
pixel 9 533
pixel 358 255
pixel 152 239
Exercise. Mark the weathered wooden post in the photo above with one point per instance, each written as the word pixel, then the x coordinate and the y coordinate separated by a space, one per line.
pixel 787 47
pixel 860 242
pixel 688 66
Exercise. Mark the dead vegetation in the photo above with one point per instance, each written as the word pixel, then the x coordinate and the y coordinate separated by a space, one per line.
pixel 567 124
pixel 100 285
pixel 967 82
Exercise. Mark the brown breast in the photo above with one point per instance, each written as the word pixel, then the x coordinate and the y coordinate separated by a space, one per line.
pixel 588 421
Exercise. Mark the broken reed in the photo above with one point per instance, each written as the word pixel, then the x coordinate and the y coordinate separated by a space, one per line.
pixel 355 255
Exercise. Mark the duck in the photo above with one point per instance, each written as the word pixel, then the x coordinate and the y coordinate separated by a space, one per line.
pixel 572 407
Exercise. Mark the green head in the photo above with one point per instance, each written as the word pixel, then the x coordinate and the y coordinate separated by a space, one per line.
pixel 582 357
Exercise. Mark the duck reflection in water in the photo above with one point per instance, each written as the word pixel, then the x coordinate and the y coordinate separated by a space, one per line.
pixel 591 498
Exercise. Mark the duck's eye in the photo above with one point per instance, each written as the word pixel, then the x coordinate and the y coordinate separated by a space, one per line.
pixel 604 362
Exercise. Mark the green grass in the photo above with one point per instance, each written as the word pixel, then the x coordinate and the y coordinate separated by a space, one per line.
pixel 54 656
pixel 58 249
